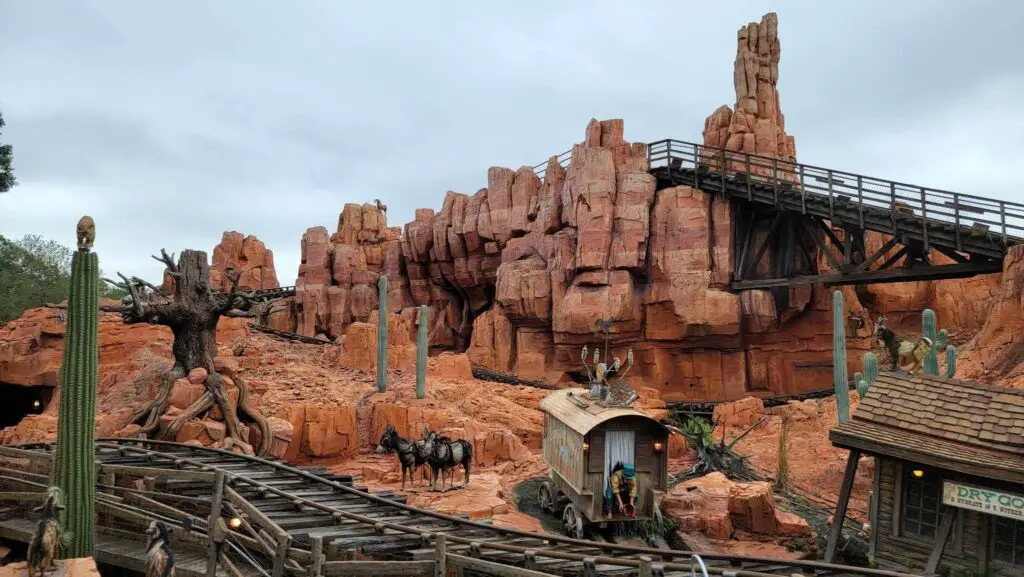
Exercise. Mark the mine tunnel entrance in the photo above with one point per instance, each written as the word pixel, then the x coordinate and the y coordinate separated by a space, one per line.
pixel 17 401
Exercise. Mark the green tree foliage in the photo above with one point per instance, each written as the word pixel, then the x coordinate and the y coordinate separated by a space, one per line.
pixel 34 271
pixel 7 180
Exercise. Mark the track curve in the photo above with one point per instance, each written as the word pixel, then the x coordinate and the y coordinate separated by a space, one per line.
pixel 303 504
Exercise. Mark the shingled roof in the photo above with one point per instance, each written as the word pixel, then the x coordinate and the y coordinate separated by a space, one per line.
pixel 960 425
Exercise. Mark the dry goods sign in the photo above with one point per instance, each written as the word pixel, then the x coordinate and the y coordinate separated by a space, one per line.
pixel 984 500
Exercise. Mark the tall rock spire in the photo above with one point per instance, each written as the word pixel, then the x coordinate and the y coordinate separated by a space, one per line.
pixel 757 125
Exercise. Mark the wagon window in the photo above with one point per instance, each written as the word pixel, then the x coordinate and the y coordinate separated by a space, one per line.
pixel 596 453
pixel 644 454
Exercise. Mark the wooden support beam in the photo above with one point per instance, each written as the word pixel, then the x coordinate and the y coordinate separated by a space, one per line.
pixel 951 271
pixel 442 555
pixel 316 548
pixel 752 265
pixel 814 233
pixel 951 253
pixel 284 541
pixel 876 255
pixel 945 529
pixel 829 233
pixel 902 252
pixel 839 518
pixel 747 239
pixel 215 507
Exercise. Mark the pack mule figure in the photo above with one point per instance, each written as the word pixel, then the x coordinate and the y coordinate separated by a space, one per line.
pixel 159 557
pixel 445 455
pixel 46 542
pixel 412 455
pixel 902 351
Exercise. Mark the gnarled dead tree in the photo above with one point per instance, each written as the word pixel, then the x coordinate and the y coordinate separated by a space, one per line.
pixel 192 310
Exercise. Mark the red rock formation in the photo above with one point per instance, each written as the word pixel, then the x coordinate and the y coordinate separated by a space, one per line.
pixel 720 509
pixel 246 255
pixel 757 125
pixel 995 352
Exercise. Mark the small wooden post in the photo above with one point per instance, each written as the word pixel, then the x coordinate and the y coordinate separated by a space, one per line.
pixel 211 523
pixel 645 566
pixel 696 166
pixel 442 555
pixel 283 542
pixel 841 505
pixel 316 549
pixel 668 157
pixel 333 551
pixel 589 567
pixel 945 529
pixel 530 561
pixel 657 570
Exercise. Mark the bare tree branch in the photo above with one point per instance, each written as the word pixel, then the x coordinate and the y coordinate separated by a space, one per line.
pixel 234 277
pixel 168 260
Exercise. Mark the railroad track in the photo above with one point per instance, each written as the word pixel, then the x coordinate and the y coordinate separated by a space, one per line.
pixel 288 335
pixel 707 408
pixel 292 519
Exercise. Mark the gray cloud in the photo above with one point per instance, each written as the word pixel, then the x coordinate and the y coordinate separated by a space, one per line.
pixel 172 123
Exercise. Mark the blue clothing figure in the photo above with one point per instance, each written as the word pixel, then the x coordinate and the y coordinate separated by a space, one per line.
pixel 621 489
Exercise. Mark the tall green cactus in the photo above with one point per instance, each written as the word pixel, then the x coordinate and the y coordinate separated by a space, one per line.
pixel 928 322
pixel 950 361
pixel 870 368
pixel 74 470
pixel 839 357
pixel 382 334
pixel 870 374
pixel 421 354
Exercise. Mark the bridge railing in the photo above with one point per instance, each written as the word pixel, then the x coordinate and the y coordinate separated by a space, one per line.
pixel 998 220
pixel 973 216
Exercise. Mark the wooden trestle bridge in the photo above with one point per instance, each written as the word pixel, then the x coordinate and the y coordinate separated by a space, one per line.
pixel 241 516
pixel 800 206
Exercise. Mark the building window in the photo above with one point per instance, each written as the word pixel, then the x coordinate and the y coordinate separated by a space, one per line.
pixel 1009 541
pixel 922 494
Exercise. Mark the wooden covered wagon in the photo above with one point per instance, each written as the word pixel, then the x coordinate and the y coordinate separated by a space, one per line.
pixel 583 440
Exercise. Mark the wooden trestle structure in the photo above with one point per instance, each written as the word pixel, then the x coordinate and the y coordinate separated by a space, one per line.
pixel 242 516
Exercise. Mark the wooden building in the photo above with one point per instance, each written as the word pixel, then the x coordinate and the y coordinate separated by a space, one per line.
pixel 583 439
pixel 948 490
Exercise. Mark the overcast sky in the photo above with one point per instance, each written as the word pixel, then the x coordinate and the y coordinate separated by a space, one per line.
pixel 172 124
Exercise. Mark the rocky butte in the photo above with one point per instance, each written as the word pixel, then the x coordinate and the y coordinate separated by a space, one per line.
pixel 518 273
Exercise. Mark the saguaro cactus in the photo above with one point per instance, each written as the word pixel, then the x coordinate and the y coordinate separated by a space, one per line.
pixel 928 322
pixel 950 361
pixel 421 354
pixel 839 358
pixel 870 374
pixel 382 334
pixel 74 470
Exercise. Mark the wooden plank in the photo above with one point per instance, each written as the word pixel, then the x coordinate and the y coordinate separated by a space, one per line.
pixel 940 541
pixel 215 513
pixel 378 568
pixel 281 554
pixel 252 512
pixel 843 502
pixel 490 568
pixel 316 548
pixel 157 473
pixel 876 489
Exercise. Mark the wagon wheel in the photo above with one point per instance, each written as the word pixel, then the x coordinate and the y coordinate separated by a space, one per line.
pixel 546 498
pixel 572 521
